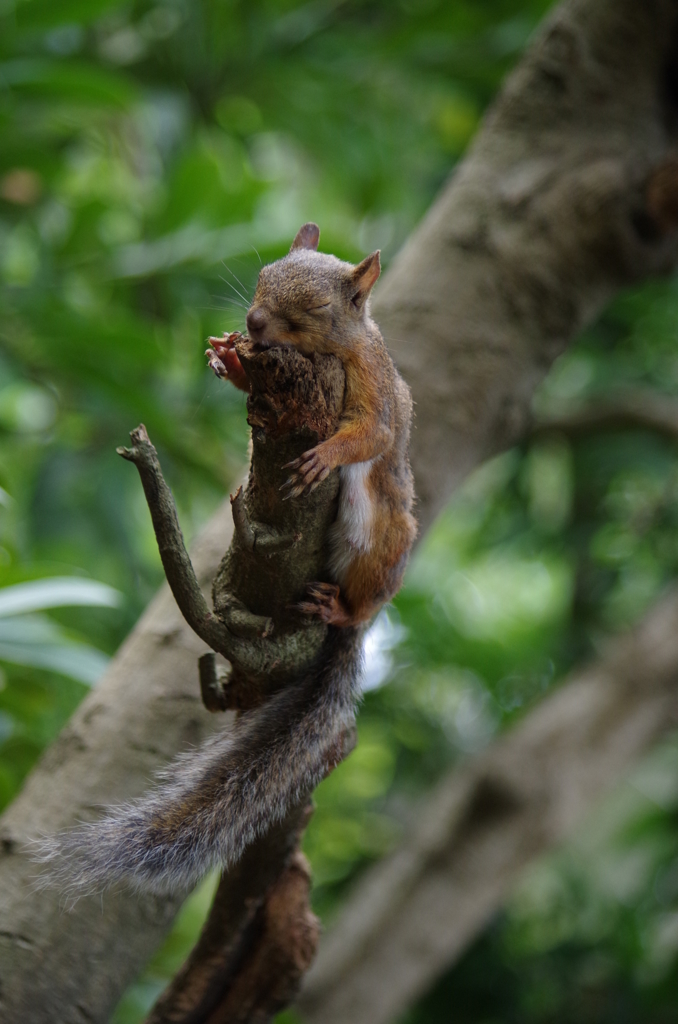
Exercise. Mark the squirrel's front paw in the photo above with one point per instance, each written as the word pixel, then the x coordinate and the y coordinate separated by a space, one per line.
pixel 308 472
pixel 223 359
pixel 322 601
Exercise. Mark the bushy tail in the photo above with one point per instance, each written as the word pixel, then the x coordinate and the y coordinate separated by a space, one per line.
pixel 214 801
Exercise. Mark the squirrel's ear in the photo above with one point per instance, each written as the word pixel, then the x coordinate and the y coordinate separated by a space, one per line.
pixel 306 237
pixel 364 277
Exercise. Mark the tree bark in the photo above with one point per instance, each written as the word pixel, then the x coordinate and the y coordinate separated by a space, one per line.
pixel 145 709
pixel 565 198
pixel 554 210
pixel 257 942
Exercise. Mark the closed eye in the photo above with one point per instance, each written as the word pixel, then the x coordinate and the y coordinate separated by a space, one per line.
pixel 316 309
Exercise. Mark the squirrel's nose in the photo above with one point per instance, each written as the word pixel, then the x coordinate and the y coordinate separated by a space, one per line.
pixel 256 320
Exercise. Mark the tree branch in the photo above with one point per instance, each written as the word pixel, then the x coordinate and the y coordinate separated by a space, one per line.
pixel 258 940
pixel 564 199
pixel 639 409
pixel 413 915
pixel 175 560
pixel 483 824
pixel 260 935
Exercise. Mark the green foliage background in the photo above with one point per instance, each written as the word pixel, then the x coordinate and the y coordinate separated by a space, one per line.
pixel 152 154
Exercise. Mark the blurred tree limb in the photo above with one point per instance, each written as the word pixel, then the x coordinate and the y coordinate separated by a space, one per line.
pixel 637 409
pixel 413 915
pixel 566 197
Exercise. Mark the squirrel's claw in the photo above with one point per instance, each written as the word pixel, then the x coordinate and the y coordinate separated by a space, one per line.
pixel 308 471
pixel 226 343
pixel 323 602
pixel 215 363
pixel 223 359
pixel 292 489
pixel 322 476
pixel 323 592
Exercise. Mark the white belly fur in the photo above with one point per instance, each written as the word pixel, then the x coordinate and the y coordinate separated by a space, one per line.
pixel 351 534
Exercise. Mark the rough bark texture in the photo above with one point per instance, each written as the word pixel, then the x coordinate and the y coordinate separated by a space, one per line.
pixel 258 941
pixel 279 546
pixel 567 196
pixel 288 934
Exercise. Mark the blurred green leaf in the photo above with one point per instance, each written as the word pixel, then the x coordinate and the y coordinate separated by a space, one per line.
pixel 35 640
pixel 41 14
pixel 84 83
pixel 55 592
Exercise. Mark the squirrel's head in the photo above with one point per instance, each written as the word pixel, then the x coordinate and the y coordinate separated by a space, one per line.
pixel 310 299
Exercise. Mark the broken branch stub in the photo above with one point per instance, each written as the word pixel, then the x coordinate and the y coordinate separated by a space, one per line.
pixel 278 546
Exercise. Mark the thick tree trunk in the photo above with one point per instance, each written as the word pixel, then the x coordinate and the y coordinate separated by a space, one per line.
pixel 551 213
pixel 565 198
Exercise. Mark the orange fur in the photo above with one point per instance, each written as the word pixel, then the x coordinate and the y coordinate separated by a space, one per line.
pixel 319 304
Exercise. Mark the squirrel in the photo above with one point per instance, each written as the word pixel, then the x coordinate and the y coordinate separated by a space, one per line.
pixel 214 801
pixel 317 303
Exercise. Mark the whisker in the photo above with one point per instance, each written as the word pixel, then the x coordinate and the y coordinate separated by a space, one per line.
pixel 236 277
pixel 226 298
pixel 198 407
pixel 236 302
pixel 237 292
pixel 221 309
pixel 243 302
